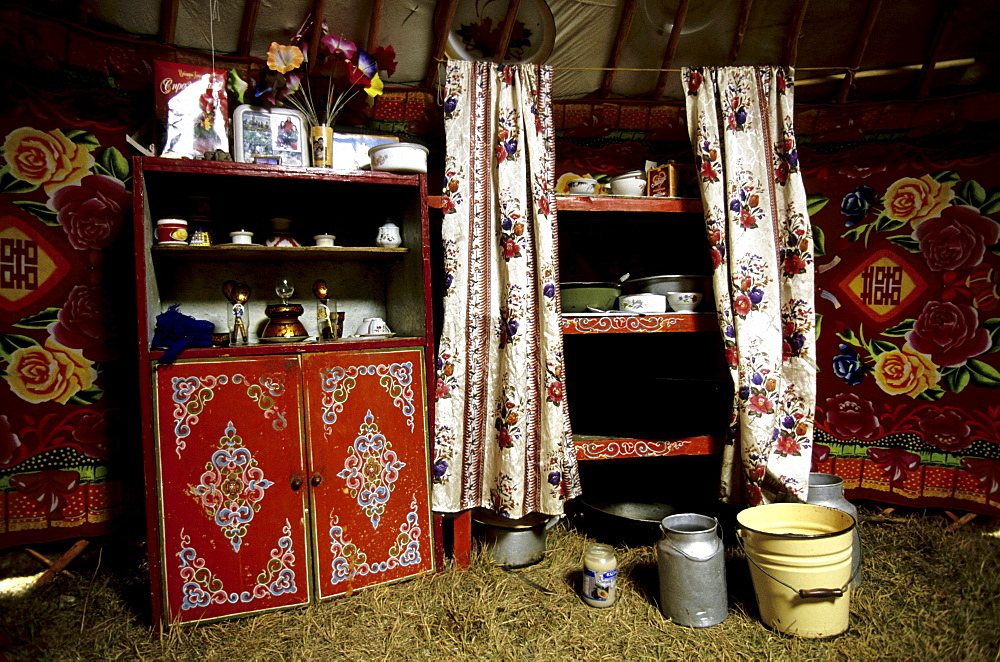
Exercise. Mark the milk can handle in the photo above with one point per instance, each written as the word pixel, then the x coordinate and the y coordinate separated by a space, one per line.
pixel 688 556
pixel 806 592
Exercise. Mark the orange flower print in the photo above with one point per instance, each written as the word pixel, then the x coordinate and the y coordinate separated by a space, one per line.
pixel 50 160
pixel 916 200
pixel 905 372
pixel 50 373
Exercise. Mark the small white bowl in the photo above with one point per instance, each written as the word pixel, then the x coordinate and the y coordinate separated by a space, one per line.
pixel 684 302
pixel 399 157
pixel 631 183
pixel 643 303
pixel 582 186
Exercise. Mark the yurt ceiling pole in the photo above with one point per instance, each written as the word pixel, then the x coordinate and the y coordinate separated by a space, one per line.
pixel 798 18
pixel 934 51
pixel 168 21
pixel 441 31
pixel 624 25
pixel 668 57
pixel 507 30
pixel 859 49
pixel 374 25
pixel 741 28
pixel 247 26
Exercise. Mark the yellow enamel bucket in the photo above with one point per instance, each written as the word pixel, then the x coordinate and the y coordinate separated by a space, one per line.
pixel 800 563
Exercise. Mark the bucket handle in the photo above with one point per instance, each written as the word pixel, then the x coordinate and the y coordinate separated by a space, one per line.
pixel 688 556
pixel 805 593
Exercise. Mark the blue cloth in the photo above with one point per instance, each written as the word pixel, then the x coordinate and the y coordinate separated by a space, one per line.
pixel 176 331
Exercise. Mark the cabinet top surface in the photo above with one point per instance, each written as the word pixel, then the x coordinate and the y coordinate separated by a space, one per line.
pixel 200 167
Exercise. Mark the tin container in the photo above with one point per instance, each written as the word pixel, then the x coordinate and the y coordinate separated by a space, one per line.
pixel 171 231
pixel 828 490
pixel 691 561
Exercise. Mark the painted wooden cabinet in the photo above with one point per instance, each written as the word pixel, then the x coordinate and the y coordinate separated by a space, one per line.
pixel 278 474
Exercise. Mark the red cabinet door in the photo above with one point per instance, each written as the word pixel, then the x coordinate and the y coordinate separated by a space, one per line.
pixel 232 495
pixel 368 465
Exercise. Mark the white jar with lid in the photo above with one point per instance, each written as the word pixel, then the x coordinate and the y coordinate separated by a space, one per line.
pixel 600 575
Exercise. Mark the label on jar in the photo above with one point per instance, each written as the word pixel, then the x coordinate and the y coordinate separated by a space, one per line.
pixel 599 585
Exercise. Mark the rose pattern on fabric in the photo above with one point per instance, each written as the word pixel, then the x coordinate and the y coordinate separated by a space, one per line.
pixel 847 366
pixel 916 200
pixel 850 416
pixel 92 212
pixel 50 373
pixel 945 429
pixel 948 333
pixel 85 322
pixel 50 160
pixel 956 239
pixel 905 372
pixel 856 204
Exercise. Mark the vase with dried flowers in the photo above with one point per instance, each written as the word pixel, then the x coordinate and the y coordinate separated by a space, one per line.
pixel 340 70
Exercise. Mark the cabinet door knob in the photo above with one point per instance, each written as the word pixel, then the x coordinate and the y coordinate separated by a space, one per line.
pixel 316 480
pixel 296 482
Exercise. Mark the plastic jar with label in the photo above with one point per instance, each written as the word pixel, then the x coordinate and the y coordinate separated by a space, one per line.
pixel 600 576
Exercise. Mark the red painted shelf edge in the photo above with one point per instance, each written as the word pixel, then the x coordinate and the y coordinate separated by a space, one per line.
pixel 609 448
pixel 607 203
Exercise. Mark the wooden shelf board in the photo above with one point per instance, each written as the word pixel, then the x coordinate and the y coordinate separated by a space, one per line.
pixel 202 167
pixel 593 447
pixel 244 253
pixel 609 203
pixel 258 349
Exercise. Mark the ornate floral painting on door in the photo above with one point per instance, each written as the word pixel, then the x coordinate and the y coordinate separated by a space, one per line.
pixel 908 393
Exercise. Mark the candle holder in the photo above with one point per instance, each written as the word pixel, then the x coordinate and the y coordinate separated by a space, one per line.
pixel 283 323
pixel 237 294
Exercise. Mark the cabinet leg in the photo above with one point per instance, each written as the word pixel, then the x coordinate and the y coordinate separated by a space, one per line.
pixel 461 547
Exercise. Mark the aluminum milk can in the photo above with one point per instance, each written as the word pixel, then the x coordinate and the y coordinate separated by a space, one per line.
pixel 692 567
pixel 828 490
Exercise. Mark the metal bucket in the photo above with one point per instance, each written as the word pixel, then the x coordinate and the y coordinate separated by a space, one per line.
pixel 800 562
pixel 692 568
pixel 515 543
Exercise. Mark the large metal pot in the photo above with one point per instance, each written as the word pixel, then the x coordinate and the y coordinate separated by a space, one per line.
pixel 514 543
pixel 577 297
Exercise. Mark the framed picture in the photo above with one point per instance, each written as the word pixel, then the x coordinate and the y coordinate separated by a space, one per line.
pixel 263 135
pixel 350 150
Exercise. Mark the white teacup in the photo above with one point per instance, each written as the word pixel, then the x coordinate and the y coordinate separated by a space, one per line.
pixel 581 185
pixel 373 326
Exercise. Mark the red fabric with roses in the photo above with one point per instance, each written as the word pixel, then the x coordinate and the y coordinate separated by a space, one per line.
pixel 909 293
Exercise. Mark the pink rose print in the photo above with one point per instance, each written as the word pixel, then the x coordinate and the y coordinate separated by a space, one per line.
pixel 945 429
pixel 83 323
pixel 92 212
pixel 948 333
pixel 851 416
pixel 957 239
pixel 896 462
pixel 91 435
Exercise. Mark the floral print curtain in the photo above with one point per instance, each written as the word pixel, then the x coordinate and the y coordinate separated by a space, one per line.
pixel 740 121
pixel 502 434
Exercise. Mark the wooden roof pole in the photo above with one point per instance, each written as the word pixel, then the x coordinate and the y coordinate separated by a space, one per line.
pixel 507 30
pixel 446 12
pixel 374 26
pixel 934 50
pixel 247 26
pixel 668 57
pixel 798 18
pixel 874 6
pixel 168 21
pixel 624 25
pixel 741 28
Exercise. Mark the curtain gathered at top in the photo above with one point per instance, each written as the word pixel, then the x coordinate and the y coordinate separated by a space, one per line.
pixel 740 122
pixel 502 434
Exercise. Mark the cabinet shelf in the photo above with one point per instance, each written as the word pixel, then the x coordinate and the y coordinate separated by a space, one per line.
pixel 659 323
pixel 243 253
pixel 620 203
pixel 269 349
pixel 595 447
